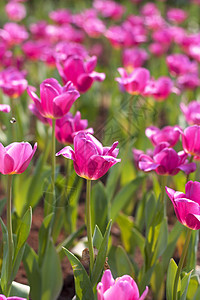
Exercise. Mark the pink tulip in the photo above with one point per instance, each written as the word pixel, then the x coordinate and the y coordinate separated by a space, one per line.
pixel 167 134
pixel 166 161
pixel 134 58
pixel 68 126
pixel 191 112
pixel 15 158
pixel 123 288
pixel 191 140
pixel 187 206
pixel 137 153
pixel 55 100
pixel 91 159
pixel 109 9
pixel 158 49
pixel 61 16
pixel 14 33
pixel 176 15
pixel 135 82
pixel 5 108
pixel 80 72
pixel 160 89
pixel 15 11
pixel 12 82
pixel 179 64
pixel 188 81
pixel 2 297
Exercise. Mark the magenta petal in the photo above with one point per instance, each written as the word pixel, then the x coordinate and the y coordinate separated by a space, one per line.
pixel 2 297
pixel 192 191
pixel 107 280
pixel 151 130
pixel 188 168
pixel 183 207
pixel 97 76
pixel 5 108
pixel 84 82
pixel 67 152
pixel 146 163
pixel 73 68
pixel 26 162
pixel 91 64
pixel 63 103
pixel 193 221
pixel 8 164
pixel 144 294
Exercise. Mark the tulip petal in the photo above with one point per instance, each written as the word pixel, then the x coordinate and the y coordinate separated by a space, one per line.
pixel 193 221
pixel 192 191
pixel 67 152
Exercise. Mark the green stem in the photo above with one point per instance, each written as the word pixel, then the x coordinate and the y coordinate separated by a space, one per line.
pixel 53 166
pixel 181 262
pixel 163 180
pixel 89 225
pixel 10 236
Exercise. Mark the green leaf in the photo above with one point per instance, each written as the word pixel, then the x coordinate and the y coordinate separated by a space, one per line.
pixel 124 265
pixel 19 290
pixel 150 208
pixel 193 286
pixel 30 262
pixel 124 196
pixel 99 206
pixel 82 282
pixel 192 250
pixel 101 257
pixel 171 274
pixel 51 272
pixel 4 269
pixel 158 281
pixel 184 285
pixel 97 237
pixel 2 205
pixel 112 180
pixel 44 237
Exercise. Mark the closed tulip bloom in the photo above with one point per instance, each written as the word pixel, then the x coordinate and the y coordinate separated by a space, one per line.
pixel 135 82
pixel 191 112
pixel 191 140
pixel 187 206
pixel 68 126
pixel 166 161
pixel 123 288
pixel 55 100
pixel 167 134
pixel 15 158
pixel 91 159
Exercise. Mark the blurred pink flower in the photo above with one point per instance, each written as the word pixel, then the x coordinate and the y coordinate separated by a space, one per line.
pixel 166 161
pixel 15 11
pixel 191 140
pixel 80 72
pixel 5 108
pixel 137 153
pixel 68 126
pixel 177 15
pixel 158 49
pixel 188 81
pixel 109 9
pixel 12 82
pixel 61 16
pixel 122 288
pixel 187 206
pixel 135 82
pixel 55 100
pixel 191 112
pixel 13 33
pixel 16 157
pixel 91 159
pixel 167 134
pixel 160 89
pixel 180 64
pixel 134 58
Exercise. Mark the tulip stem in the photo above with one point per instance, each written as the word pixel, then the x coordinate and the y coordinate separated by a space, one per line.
pixel 53 163
pixel 188 175
pixel 163 180
pixel 181 262
pixel 89 225
pixel 10 236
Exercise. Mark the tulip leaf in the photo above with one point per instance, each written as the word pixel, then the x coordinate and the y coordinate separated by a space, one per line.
pixel 30 262
pixel 99 206
pixel 51 272
pixel 124 196
pixel 44 237
pixel 101 256
pixel 112 180
pixel 184 285
pixel 2 205
pixel 97 237
pixel 150 208
pixel 193 286
pixel 124 265
pixel 82 282
pixel 192 250
pixel 171 274
pixel 19 290
pixel 4 268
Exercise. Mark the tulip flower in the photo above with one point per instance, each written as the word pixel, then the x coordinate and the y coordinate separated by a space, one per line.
pixel 109 9
pixel 176 15
pixel 68 126
pixel 15 11
pixel 180 64
pixel 16 157
pixel 81 73
pixel 134 58
pixel 122 288
pixel 166 161
pixel 5 108
pixel 188 81
pixel 91 159
pixel 191 140
pixel 167 134
pixel 55 100
pixel 61 16
pixel 191 112
pixel 160 89
pixel 187 206
pixel 135 82
pixel 2 297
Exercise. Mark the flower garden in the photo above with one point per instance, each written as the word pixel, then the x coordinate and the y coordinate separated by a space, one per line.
pixel 99 150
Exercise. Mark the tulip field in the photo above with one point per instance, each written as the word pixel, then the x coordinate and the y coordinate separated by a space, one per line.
pixel 99 150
